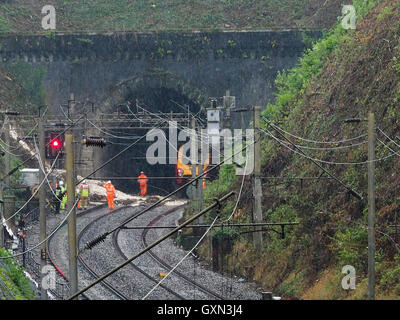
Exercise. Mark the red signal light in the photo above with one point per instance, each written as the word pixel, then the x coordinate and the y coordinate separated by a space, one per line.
pixel 56 144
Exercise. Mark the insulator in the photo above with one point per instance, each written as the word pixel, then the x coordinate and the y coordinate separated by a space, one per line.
pixel 89 245
pixel 95 142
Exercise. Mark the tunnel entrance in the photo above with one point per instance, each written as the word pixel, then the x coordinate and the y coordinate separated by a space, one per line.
pixel 148 101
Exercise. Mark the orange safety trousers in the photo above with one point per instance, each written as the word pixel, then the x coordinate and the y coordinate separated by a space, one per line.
pixel 110 190
pixel 142 179
pixel 143 189
pixel 110 199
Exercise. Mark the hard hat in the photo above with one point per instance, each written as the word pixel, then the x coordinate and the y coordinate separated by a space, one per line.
pixel 109 181
pixel 141 172
pixel 84 181
pixel 61 183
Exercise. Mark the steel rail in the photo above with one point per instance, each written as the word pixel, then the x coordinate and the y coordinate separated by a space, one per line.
pixel 168 267
pixel 122 254
pixel 217 203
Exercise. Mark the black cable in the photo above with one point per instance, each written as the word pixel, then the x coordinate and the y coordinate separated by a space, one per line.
pixel 352 192
pixel 12 171
pixel 94 242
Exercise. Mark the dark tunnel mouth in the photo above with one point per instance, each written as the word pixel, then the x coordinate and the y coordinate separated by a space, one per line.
pixel 160 99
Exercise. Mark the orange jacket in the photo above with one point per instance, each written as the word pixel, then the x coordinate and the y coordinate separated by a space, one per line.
pixel 142 179
pixel 110 189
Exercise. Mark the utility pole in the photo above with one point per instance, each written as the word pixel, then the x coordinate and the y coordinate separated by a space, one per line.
pixel 70 172
pixel 72 243
pixel 8 128
pixel 193 160
pixel 1 215
pixel 371 206
pixel 42 208
pixel 257 190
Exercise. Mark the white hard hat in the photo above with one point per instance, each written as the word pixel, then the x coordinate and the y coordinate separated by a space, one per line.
pixel 84 181
pixel 109 181
pixel 61 183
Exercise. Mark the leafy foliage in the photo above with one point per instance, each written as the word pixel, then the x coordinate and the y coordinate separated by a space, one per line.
pixel 15 279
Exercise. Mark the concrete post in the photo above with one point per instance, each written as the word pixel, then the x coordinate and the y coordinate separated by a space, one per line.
pixel 371 206
pixel 42 208
pixel 7 166
pixel 1 215
pixel 72 242
pixel 257 190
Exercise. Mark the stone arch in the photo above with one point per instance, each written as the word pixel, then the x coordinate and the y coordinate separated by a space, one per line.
pixel 155 79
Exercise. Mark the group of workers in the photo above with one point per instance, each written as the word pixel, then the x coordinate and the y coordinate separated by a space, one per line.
pixel 84 193
pixel 62 197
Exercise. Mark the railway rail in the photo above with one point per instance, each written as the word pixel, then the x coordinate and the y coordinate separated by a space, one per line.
pixel 165 265
pixel 128 286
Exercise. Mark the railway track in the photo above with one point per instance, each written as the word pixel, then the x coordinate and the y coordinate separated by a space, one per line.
pixel 82 261
pixel 107 284
pixel 91 270
pixel 165 265
pixel 51 259
pixel 130 285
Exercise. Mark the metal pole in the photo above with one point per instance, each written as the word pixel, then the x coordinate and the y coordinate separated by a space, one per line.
pixel 8 128
pixel 371 206
pixel 42 209
pixel 200 182
pixel 193 160
pixel 257 191
pixel 1 215
pixel 72 243
pixel 196 216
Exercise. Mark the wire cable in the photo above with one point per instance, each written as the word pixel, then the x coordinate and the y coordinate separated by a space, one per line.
pixel 353 192
pixel 239 196
pixel 189 253
pixel 109 134
pixel 51 234
pixel 313 141
pixel 36 191
pixel 41 164
pixel 268 133
pixel 387 137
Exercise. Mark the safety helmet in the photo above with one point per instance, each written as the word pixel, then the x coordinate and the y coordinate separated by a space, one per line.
pixel 109 181
pixel 84 181
pixel 61 183
pixel 141 172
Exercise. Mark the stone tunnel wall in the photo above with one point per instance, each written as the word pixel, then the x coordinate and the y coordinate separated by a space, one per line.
pixel 90 65
pixel 105 68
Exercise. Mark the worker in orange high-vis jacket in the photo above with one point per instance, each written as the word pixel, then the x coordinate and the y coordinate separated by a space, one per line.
pixel 142 179
pixel 110 190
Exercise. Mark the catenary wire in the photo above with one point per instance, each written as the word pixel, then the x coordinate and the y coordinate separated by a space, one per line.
pixel 41 242
pixel 268 133
pixel 36 191
pixel 189 253
pixel 313 141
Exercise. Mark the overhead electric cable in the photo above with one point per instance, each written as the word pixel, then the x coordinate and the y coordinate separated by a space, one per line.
pixel 51 234
pixel 313 141
pixel 353 192
pixel 180 261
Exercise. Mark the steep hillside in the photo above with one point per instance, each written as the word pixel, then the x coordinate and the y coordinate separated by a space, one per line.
pixel 346 75
pixel 75 15
pixel 13 283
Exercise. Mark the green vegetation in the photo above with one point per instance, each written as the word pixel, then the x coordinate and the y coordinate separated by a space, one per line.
pixel 29 93
pixel 13 283
pixel 141 15
pixel 343 75
pixel 4 24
